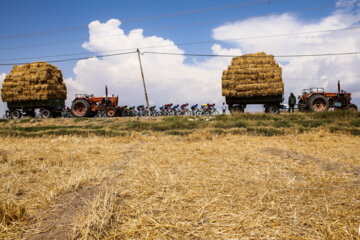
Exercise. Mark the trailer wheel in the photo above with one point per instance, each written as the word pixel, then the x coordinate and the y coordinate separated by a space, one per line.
pixel 352 108
pixel 318 103
pixel 111 112
pixel 45 113
pixel 80 108
pixel 237 108
pixel 15 114
pixel 273 109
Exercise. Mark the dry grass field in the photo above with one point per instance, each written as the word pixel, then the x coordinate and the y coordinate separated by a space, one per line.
pixel 251 176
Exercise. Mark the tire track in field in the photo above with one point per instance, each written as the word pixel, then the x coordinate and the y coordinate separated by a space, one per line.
pixel 57 221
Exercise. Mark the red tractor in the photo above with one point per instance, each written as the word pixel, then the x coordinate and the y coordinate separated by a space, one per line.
pixel 316 100
pixel 85 105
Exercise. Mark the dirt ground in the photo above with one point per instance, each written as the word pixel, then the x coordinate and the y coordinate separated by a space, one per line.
pixel 199 186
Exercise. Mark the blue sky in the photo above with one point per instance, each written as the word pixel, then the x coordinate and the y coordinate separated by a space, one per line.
pixel 24 17
pixel 24 23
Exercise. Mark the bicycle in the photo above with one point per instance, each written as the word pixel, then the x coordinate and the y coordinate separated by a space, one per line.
pixel 66 113
pixel 175 110
pixel 153 112
pixel 184 110
pixel 195 110
pixel 141 111
pixel 212 110
pixel 166 109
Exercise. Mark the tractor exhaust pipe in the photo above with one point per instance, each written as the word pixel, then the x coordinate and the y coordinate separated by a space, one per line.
pixel 106 91
pixel 339 89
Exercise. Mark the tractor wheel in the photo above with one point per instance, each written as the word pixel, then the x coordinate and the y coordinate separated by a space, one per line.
pixel 80 108
pixel 273 109
pixel 352 108
pixel 318 103
pixel 111 112
pixel 15 114
pixel 45 113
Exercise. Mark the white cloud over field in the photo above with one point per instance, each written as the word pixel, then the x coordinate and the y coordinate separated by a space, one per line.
pixel 168 78
pixel 304 72
pixel 171 79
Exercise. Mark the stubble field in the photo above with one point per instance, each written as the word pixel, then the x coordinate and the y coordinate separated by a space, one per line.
pixel 250 176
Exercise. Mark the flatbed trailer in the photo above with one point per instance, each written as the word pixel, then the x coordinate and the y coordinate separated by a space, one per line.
pixel 47 108
pixel 271 104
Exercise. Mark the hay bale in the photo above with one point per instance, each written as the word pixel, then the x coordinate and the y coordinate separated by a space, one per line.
pixel 33 81
pixel 252 75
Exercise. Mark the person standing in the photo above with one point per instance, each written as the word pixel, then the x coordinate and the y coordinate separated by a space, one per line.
pixel 292 102
pixel 224 108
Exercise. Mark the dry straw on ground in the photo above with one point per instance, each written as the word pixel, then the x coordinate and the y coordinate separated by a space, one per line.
pixel 252 75
pixel 200 186
pixel 33 81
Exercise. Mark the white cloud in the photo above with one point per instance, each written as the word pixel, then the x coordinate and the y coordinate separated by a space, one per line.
pixel 306 72
pixel 171 79
pixel 347 3
pixel 2 77
pixel 168 78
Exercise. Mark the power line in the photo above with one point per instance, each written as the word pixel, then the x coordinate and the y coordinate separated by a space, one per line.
pixel 191 43
pixel 175 14
pixel 73 59
pixel 157 29
pixel 191 54
pixel 278 56
pixel 326 78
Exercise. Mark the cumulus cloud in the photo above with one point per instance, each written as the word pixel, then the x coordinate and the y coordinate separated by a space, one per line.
pixel 176 79
pixel 306 72
pixel 168 78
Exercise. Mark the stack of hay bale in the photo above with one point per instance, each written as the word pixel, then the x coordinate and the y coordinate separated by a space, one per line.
pixel 33 81
pixel 252 75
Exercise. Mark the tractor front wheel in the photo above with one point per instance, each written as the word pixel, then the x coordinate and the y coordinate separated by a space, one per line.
pixel 80 108
pixel 352 108
pixel 318 103
pixel 111 112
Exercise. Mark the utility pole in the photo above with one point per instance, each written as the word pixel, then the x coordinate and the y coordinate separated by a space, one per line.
pixel 143 79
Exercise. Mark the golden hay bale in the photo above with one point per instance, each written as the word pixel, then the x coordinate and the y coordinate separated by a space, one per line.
pixel 29 79
pixel 250 75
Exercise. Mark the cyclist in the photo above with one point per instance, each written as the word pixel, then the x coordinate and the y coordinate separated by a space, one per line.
pixel 183 108
pixel 168 106
pixel 140 107
pixel 204 107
